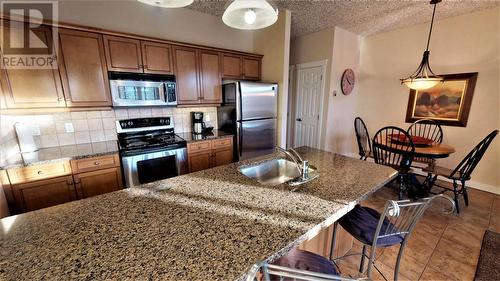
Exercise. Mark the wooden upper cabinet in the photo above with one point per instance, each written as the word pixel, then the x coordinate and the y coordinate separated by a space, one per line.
pixel 251 68
pixel 231 66
pixel 210 77
pixel 82 65
pixel 31 88
pixel 241 67
pixel 157 57
pixel 186 69
pixel 123 54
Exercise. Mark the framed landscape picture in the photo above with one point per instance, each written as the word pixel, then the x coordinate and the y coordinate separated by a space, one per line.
pixel 448 103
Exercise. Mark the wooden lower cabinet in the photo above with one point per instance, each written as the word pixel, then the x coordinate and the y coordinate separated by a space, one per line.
pixel 200 161
pixel 36 195
pixel 208 154
pixel 39 186
pixel 98 182
pixel 222 157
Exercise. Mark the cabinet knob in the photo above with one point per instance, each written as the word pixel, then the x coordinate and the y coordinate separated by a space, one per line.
pixel 40 172
pixel 97 163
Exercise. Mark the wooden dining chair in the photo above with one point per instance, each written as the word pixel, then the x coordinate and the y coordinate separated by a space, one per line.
pixel 429 129
pixel 363 139
pixel 462 173
pixel 393 147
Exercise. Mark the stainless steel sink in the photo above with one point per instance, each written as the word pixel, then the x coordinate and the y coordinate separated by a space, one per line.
pixel 276 171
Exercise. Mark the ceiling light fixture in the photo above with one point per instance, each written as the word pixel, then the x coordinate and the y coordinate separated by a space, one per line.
pixel 168 3
pixel 423 77
pixel 250 14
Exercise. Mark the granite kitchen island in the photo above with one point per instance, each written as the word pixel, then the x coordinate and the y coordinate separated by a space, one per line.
pixel 209 225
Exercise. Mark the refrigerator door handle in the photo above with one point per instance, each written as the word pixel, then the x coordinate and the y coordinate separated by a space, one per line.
pixel 240 139
pixel 239 114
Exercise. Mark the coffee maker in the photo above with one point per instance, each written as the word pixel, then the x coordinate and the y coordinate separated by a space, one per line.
pixel 198 124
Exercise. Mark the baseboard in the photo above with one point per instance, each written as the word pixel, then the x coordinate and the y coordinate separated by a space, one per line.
pixel 472 184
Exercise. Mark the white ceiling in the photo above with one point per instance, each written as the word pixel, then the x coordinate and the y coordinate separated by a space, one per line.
pixel 363 17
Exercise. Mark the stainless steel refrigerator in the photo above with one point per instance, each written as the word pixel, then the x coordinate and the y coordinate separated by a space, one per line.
pixel 249 111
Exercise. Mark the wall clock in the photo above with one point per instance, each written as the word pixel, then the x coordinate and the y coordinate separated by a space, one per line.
pixel 347 82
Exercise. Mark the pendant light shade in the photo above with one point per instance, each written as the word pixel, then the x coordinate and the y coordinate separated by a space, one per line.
pixel 423 78
pixel 168 3
pixel 250 14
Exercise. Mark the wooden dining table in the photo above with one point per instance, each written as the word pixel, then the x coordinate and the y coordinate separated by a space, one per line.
pixel 432 151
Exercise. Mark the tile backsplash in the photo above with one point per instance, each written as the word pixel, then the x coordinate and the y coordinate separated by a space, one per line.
pixel 88 126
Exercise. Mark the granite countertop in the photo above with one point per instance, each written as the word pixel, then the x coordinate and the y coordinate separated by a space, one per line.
pixel 60 153
pixel 215 134
pixel 209 225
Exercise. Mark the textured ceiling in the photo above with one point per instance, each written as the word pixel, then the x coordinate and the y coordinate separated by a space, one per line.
pixel 364 17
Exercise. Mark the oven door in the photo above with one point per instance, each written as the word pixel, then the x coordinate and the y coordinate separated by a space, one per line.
pixel 137 93
pixel 154 166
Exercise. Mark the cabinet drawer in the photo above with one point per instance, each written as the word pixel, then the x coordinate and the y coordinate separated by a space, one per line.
pixel 95 163
pixel 222 143
pixel 39 172
pixel 198 146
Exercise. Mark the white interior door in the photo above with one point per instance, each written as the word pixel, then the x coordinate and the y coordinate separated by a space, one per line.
pixel 308 106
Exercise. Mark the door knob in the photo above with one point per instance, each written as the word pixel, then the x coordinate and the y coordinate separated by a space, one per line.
pixel 299 119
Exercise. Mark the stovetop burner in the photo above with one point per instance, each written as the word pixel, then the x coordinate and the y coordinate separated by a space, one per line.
pixel 146 133
pixel 158 139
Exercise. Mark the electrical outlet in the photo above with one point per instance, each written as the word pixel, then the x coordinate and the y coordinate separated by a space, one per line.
pixel 35 130
pixel 69 127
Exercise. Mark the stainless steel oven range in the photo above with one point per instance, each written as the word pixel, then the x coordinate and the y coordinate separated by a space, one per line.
pixel 150 150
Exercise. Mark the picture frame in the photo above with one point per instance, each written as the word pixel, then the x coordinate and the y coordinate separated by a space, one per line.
pixel 448 103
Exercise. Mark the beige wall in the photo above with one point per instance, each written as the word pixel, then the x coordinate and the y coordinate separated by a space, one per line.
pixel 174 24
pixel 313 47
pixel 467 43
pixel 342 108
pixel 274 43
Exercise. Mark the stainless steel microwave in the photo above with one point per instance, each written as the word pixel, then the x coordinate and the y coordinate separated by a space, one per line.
pixel 137 89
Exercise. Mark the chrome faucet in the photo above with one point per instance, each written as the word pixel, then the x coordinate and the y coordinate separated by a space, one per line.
pixel 301 164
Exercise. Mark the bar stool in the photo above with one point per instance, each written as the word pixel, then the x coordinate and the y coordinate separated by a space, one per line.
pixel 393 227
pixel 297 265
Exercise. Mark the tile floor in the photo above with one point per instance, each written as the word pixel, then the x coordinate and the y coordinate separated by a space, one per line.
pixel 442 247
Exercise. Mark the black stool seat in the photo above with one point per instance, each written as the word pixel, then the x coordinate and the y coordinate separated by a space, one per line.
pixel 304 260
pixel 361 223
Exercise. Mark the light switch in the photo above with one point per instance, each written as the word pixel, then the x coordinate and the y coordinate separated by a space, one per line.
pixel 207 118
pixel 69 127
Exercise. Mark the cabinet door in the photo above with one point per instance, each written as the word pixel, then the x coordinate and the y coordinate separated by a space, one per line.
pixel 123 54
pixel 31 88
pixel 157 58
pixel 222 157
pixel 186 70
pixel 45 193
pixel 251 68
pixel 98 182
pixel 83 71
pixel 210 77
pixel 200 161
pixel 231 66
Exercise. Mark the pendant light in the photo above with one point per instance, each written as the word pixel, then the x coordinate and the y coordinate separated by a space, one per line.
pixel 423 77
pixel 168 3
pixel 250 14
